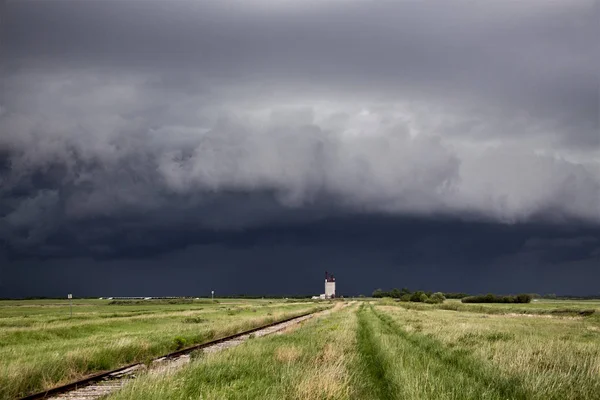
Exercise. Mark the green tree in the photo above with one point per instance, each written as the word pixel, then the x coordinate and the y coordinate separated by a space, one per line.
pixel 416 296
pixel 436 298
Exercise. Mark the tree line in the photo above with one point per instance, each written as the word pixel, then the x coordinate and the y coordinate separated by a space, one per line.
pixel 492 298
pixel 406 295
pixel 420 296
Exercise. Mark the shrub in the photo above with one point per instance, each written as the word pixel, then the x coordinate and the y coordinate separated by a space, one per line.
pixel 440 295
pixel 394 293
pixel 492 298
pixel 417 296
pixel 455 295
pixel 523 298
pixel 436 298
pixel 406 295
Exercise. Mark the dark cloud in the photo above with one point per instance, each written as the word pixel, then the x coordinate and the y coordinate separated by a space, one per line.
pixel 133 129
pixel 365 253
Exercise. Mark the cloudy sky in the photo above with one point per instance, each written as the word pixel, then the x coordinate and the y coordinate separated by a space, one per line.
pixel 171 148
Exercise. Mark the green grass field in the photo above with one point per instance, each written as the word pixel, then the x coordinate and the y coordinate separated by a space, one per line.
pixel 371 349
pixel 41 345
pixel 382 350
pixel 538 307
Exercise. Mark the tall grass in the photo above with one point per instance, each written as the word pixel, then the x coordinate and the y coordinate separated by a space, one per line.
pixel 387 352
pixel 448 368
pixel 52 349
pixel 309 362
pixel 577 309
pixel 382 350
pixel 534 357
pixel 418 368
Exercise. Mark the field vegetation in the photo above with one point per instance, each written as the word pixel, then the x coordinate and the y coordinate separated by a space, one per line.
pixel 492 298
pixel 406 295
pixel 387 349
pixel 368 349
pixel 42 346
pixel 537 307
pixel 310 362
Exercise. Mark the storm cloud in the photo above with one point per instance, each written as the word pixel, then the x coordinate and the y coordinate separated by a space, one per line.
pixel 137 128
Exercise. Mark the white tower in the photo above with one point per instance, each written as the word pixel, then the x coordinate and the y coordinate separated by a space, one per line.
pixel 329 286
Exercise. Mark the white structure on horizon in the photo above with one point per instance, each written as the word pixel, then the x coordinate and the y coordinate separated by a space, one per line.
pixel 329 286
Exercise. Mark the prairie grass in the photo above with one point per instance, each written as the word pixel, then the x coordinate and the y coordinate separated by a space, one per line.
pixel 419 367
pixel 492 356
pixel 370 350
pixel 41 346
pixel 309 362
pixel 556 308
pixel 387 352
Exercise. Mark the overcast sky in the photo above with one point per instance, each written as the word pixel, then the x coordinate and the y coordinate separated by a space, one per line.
pixel 171 147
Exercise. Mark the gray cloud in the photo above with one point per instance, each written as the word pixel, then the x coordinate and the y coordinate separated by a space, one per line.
pixel 536 59
pixel 148 116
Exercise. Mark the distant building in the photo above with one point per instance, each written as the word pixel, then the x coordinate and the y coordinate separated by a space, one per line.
pixel 329 286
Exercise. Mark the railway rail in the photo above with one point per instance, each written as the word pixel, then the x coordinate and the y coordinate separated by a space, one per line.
pixel 100 384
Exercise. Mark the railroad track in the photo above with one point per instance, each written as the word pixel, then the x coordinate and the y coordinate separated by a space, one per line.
pixel 103 383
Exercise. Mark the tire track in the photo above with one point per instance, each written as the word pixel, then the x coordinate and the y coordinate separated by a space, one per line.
pixel 455 360
pixel 372 358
